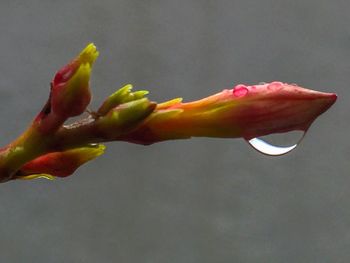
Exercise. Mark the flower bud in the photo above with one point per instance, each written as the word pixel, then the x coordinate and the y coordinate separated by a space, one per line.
pixel 122 95
pixel 245 111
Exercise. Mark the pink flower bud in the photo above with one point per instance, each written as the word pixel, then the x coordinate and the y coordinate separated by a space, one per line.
pixel 245 111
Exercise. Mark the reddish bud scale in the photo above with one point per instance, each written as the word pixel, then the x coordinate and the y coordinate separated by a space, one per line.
pixel 53 163
pixel 60 164
pixel 66 72
pixel 61 102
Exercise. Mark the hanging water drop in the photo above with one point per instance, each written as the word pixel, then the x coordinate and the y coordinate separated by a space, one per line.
pixel 269 149
pixel 277 144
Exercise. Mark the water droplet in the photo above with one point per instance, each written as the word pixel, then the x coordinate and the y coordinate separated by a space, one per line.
pixel 277 144
pixel 276 85
pixel 240 91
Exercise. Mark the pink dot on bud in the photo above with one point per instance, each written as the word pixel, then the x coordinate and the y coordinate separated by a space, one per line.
pixel 240 91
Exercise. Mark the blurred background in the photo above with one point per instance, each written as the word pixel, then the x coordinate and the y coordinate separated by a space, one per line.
pixel 200 200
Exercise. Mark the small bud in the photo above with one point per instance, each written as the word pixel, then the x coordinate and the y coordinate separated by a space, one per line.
pixel 121 96
pixel 70 91
pixel 125 117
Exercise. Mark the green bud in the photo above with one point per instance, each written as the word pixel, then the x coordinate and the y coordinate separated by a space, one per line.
pixel 125 117
pixel 121 96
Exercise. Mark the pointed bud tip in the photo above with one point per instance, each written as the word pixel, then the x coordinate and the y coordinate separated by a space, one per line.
pixel 91 152
pixel 89 54
pixel 326 101
pixel 331 98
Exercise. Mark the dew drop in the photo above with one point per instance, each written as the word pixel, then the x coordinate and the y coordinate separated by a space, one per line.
pixel 240 91
pixel 276 85
pixel 277 144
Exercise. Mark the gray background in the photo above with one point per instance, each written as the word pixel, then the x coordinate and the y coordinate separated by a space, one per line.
pixel 199 200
